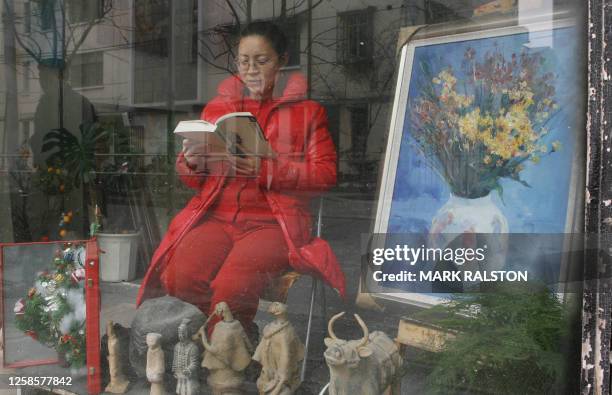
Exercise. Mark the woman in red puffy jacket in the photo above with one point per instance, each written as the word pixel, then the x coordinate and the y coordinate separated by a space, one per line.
pixel 249 220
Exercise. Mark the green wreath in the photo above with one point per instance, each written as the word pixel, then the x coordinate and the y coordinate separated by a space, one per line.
pixel 53 312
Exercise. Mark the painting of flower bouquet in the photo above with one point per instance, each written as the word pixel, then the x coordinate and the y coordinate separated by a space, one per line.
pixel 484 124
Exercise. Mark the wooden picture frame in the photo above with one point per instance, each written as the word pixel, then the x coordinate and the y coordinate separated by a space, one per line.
pixel 414 187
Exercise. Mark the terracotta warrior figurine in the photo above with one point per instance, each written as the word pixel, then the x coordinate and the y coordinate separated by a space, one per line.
pixel 280 354
pixel 227 355
pixel 156 366
pixel 118 382
pixel 185 364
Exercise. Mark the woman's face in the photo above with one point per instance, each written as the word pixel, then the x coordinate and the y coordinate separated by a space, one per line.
pixel 258 66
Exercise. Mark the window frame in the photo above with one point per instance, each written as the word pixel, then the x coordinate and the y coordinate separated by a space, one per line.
pixel 596 296
pixel 343 44
pixel 72 5
pixel 80 83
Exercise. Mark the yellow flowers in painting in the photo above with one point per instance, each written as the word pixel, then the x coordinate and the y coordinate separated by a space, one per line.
pixel 482 123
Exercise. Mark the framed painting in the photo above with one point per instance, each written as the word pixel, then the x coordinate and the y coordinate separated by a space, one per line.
pixel 485 138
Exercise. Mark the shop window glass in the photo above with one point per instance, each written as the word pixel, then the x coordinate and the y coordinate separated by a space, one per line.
pixel 88 118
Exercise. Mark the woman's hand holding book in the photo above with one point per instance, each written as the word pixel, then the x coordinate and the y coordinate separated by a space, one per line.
pixel 244 165
pixel 195 154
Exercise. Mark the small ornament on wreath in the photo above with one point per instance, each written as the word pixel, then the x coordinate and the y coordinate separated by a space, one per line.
pixel 53 311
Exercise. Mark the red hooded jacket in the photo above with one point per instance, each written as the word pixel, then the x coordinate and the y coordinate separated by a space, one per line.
pixel 306 166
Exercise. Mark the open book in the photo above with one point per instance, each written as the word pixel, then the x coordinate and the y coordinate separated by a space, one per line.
pixel 237 133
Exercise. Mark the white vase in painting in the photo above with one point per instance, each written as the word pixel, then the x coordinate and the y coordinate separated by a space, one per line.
pixel 477 216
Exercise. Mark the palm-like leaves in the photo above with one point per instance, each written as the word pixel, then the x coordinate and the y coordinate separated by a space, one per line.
pixel 74 154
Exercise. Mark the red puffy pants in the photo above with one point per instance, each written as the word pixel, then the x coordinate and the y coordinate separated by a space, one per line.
pixel 226 262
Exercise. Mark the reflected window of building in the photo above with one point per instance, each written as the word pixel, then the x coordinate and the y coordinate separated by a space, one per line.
pixel 185 41
pixel 25 129
pixel 83 11
pixel 27 76
pixel 87 70
pixel 46 15
pixel 355 36
pixel 27 17
pixel 165 51
pixel 291 28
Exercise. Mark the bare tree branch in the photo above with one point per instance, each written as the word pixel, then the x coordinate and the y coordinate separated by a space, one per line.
pixel 234 13
pixel 72 41
pixel 11 19
pixel 219 36
pixel 315 5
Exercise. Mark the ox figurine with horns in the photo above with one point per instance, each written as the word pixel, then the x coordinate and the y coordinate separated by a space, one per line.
pixel 367 366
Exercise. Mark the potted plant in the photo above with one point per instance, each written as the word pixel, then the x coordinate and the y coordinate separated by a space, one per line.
pixel 118 238
pixel 76 157
pixel 105 185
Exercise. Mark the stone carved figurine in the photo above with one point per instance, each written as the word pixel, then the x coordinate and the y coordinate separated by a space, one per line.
pixel 280 354
pixel 156 365
pixel 369 365
pixel 185 364
pixel 227 355
pixel 118 382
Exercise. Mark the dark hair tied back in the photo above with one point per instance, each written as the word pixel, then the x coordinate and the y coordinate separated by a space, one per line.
pixel 270 32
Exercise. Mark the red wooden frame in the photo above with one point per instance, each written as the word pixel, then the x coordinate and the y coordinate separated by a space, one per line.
pixel 92 320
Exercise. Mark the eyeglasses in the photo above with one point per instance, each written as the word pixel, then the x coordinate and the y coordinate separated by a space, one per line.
pixel 258 63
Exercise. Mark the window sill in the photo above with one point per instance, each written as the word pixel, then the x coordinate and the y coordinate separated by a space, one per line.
pixel 85 23
pixel 88 88
pixel 291 68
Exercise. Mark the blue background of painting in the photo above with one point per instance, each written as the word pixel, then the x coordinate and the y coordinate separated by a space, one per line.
pixel 419 192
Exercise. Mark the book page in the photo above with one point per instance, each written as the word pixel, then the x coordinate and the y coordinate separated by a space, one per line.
pixel 244 136
pixel 216 148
